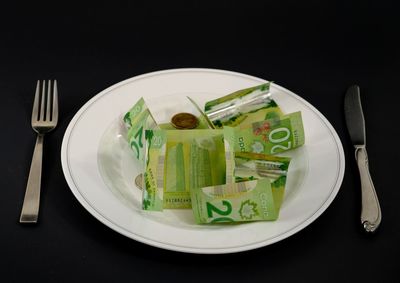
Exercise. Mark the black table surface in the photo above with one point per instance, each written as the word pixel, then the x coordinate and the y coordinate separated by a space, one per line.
pixel 314 48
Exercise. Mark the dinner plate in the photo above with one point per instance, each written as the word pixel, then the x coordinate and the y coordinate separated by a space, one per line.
pixel 100 168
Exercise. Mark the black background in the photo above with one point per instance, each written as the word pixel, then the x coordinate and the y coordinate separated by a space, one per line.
pixel 314 48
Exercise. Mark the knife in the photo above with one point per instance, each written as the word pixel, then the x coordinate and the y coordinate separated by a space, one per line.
pixel 370 209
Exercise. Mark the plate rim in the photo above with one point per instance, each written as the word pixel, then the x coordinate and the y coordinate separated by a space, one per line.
pixel 103 219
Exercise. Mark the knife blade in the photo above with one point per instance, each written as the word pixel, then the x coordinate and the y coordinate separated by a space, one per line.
pixel 354 115
pixel 371 215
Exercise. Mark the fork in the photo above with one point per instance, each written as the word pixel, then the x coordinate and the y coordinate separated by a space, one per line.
pixel 44 119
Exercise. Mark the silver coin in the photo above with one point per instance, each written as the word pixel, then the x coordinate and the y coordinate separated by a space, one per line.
pixel 139 181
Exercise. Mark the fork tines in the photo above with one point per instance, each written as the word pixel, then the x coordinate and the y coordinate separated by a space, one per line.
pixel 45 107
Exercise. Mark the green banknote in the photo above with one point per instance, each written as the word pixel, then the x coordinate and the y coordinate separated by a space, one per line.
pixel 137 120
pixel 235 202
pixel 270 136
pixel 243 107
pixel 257 194
pixel 229 140
pixel 251 166
pixel 178 161
pixel 153 190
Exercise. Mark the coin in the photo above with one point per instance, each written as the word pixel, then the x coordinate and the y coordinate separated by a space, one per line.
pixel 184 121
pixel 139 181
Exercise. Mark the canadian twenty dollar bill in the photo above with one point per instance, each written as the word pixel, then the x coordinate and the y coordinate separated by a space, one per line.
pixel 235 202
pixel 176 163
pixel 242 107
pixel 257 194
pixel 270 136
pixel 252 166
pixel 137 120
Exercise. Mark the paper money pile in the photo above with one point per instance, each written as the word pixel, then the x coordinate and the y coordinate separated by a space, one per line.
pixel 221 163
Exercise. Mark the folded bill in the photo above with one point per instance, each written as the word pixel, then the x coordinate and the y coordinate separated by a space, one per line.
pixel 242 107
pixel 235 202
pixel 257 194
pixel 137 120
pixel 270 136
pixel 153 189
pixel 251 166
pixel 178 161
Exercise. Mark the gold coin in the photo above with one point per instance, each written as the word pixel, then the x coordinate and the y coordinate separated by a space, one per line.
pixel 139 181
pixel 184 121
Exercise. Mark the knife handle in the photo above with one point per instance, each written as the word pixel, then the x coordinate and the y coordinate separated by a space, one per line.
pixel 370 209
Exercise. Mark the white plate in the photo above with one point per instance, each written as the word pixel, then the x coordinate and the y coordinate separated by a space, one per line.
pixel 100 169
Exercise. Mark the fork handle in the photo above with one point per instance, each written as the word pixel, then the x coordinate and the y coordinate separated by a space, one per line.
pixel 30 207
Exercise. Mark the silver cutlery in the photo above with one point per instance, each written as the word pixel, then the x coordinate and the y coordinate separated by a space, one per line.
pixel 44 119
pixel 370 209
